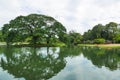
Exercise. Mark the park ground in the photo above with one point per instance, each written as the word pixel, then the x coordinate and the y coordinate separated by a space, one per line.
pixel 102 45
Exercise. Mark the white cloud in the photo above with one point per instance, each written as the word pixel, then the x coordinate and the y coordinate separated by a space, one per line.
pixel 78 15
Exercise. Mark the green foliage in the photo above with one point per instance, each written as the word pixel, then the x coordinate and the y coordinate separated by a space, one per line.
pixel 111 30
pixel 40 29
pixel 35 28
pixel 117 38
pixel 72 38
pixel 88 42
pixel 87 35
pixel 1 37
pixel 107 32
pixel 97 31
pixel 99 41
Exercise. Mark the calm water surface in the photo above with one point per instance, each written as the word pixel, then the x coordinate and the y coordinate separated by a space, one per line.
pixel 54 63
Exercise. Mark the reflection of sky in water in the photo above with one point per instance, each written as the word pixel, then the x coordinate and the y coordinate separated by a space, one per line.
pixel 2 56
pixel 52 50
pixel 79 68
pixel 4 75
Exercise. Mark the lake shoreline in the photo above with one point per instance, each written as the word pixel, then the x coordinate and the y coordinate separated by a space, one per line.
pixel 79 45
pixel 101 45
pixel 31 45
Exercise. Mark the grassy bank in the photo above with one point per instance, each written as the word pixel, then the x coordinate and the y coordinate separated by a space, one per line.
pixel 101 45
pixel 25 44
pixel 62 44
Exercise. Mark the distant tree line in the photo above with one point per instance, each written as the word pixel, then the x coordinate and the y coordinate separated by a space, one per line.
pixel 109 33
pixel 37 29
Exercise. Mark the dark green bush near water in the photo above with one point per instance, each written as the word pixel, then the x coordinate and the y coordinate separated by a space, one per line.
pixel 99 41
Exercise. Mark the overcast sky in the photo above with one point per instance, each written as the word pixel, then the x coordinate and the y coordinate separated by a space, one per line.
pixel 77 15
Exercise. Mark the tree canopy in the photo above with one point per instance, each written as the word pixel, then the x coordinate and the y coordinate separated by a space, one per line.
pixel 34 28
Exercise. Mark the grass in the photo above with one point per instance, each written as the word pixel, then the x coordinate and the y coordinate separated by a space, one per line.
pixel 101 45
pixel 2 43
pixel 62 44
pixel 26 44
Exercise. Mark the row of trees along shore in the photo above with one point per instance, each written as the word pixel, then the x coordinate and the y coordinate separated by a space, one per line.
pixel 36 29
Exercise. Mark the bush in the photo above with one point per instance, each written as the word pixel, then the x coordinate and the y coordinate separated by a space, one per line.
pixel 88 42
pixel 99 41
pixel 117 38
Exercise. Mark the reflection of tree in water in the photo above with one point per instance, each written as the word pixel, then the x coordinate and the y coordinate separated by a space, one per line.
pixel 43 63
pixel 70 52
pixel 32 64
pixel 103 57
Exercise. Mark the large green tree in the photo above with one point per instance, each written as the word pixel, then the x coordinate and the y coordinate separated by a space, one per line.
pixel 87 36
pixel 97 31
pixel 34 27
pixel 111 30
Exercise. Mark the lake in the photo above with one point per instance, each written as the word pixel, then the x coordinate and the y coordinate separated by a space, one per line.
pixel 55 63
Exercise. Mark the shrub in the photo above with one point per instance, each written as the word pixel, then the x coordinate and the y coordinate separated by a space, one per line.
pixel 99 41
pixel 117 38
